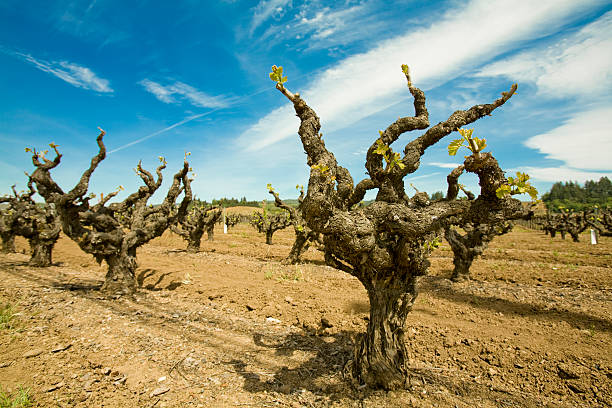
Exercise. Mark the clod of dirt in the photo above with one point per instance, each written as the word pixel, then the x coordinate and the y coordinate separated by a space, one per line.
pixel 568 372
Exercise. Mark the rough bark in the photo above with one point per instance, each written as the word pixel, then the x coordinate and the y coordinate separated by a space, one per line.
pixel 120 276
pixel 471 245
pixel 212 219
pixel 381 357
pixel 41 253
pixel 567 221
pixel 304 236
pixel 8 243
pixel 386 244
pixel 112 232
pixel 268 224
pixel 192 227
pixel 600 220
pixel 231 220
pixel 38 223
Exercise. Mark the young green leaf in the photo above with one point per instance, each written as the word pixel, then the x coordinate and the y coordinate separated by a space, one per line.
pixel 454 146
pixel 381 148
pixel 503 191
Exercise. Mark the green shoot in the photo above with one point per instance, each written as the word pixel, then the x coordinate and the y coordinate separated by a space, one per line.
pixel 277 75
pixel 518 185
pixel 391 158
pixel 406 72
pixel 474 144
pixel 433 244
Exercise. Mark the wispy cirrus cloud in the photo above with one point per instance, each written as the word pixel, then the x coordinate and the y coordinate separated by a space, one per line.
pixel 315 26
pixel 367 83
pixel 578 65
pixel 95 23
pixel 169 94
pixel 74 74
pixel 264 10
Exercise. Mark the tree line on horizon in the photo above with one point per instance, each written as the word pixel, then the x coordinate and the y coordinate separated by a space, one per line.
pixel 571 195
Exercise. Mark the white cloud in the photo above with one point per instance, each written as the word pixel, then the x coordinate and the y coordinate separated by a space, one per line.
pixel 81 77
pixel 314 27
pixel 444 165
pixel 580 64
pixel 264 10
pixel 160 92
pixel 367 83
pixel 556 174
pixel 193 95
pixel 582 142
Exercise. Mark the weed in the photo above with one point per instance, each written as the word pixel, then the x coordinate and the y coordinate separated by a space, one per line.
pixel 555 254
pixel 268 275
pixel 294 276
pixel 7 317
pixel 18 399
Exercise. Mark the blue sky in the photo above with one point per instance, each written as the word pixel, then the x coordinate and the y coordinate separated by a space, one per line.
pixel 163 78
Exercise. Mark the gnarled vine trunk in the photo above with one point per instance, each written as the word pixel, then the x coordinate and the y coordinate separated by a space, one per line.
pixel 41 252
pixel 112 232
pixel 381 356
pixel 269 234
pixel 386 244
pixel 120 277
pixel 8 243
pixel 298 248
pixel 193 244
pixel 210 232
pixel 462 263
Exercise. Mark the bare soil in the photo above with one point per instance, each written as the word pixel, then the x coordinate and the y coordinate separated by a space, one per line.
pixel 231 326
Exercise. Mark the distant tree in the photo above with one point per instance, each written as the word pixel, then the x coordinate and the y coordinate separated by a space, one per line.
pixel 267 223
pixel 39 224
pixel 304 236
pixel 97 229
pixel 232 202
pixel 438 195
pixel 200 218
pixel 570 195
pixel 386 245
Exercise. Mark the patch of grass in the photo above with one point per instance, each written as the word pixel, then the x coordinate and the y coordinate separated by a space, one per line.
pixel 7 317
pixel 284 275
pixel 294 276
pixel 19 399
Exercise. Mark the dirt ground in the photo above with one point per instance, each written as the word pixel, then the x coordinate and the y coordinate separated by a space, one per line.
pixel 231 326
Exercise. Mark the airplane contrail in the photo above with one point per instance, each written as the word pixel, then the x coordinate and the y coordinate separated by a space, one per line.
pixel 142 139
pixel 190 118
